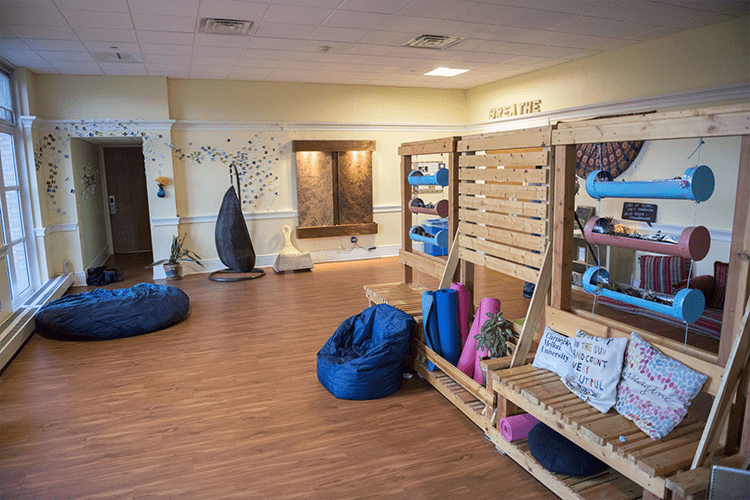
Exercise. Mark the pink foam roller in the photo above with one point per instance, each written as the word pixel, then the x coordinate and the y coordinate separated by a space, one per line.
pixel 517 427
pixel 463 310
pixel 486 305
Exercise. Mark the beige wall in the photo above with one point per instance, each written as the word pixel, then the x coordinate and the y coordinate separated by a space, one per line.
pixel 87 164
pixel 702 58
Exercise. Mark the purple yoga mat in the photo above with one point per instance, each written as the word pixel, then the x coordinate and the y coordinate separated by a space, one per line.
pixel 517 427
pixel 463 310
pixel 490 306
pixel 466 362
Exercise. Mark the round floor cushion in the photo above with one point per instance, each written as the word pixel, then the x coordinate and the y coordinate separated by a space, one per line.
pixel 557 454
pixel 111 314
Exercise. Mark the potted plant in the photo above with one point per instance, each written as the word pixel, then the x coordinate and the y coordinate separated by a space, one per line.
pixel 494 335
pixel 177 254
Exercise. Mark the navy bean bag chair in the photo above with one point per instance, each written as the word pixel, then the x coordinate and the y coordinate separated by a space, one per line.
pixel 364 359
pixel 112 314
pixel 557 454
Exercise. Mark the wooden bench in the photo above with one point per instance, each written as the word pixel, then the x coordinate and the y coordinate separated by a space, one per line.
pixel 644 465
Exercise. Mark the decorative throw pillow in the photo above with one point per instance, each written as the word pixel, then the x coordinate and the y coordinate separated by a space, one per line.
pixel 705 283
pixel 554 353
pixel 659 272
pixel 720 276
pixel 596 367
pixel 655 390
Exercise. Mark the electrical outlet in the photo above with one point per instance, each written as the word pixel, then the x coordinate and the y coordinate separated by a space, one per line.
pixel 354 239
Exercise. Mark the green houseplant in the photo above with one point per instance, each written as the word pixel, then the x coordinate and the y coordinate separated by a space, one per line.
pixel 494 335
pixel 177 254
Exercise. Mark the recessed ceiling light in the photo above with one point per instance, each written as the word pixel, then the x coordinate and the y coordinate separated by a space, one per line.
pixel 446 72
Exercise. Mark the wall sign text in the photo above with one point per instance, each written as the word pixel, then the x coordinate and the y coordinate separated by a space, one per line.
pixel 515 109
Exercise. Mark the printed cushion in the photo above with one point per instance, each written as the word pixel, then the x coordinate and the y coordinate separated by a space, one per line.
pixel 596 367
pixel 554 353
pixel 655 390
pixel 705 283
pixel 660 273
pixel 720 276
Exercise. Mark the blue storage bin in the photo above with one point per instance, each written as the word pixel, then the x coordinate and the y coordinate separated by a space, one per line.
pixel 433 226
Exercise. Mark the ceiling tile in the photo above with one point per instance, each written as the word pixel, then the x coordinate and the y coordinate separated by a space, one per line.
pixel 20 57
pixel 287 75
pixel 36 17
pixel 232 9
pixel 53 55
pixel 363 48
pixel 441 9
pixel 212 61
pixel 660 14
pixel 70 45
pixel 210 72
pixel 517 17
pixel 220 40
pixel 249 74
pixel 123 69
pixel 535 61
pixel 461 28
pixel 78 68
pixel 130 48
pixel 352 19
pixel 164 37
pixel 278 30
pixel 326 4
pixel 574 40
pixel 474 45
pixel 167 60
pixel 732 7
pixel 27 4
pixel 106 35
pixel 294 14
pixel 164 23
pixel 48 32
pixel 159 48
pixel 384 38
pixel 655 33
pixel 100 5
pixel 13 44
pixel 257 42
pixel 334 47
pixel 165 70
pixel 326 33
pixel 594 26
pixel 579 7
pixel 380 6
pixel 91 19
pixel 165 7
pixel 257 63
pixel 273 55
pixel 212 51
pixel 411 25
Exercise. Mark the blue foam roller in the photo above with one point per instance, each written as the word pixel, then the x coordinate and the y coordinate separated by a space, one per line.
pixel 448 330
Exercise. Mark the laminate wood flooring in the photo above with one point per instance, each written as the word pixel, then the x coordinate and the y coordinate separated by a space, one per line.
pixel 227 404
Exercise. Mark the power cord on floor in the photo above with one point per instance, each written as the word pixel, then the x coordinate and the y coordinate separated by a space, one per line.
pixel 353 239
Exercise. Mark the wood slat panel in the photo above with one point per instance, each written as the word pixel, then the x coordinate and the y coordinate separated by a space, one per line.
pixel 520 175
pixel 531 159
pixel 434 266
pixel 648 129
pixel 504 252
pixel 503 266
pixel 504 191
pixel 532 137
pixel 520 240
pixel 505 206
pixel 434 146
pixel 512 223
pixel 298 146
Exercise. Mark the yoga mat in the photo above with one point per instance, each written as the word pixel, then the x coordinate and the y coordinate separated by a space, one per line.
pixel 430 324
pixel 463 310
pixel 517 427
pixel 466 362
pixel 490 306
pixel 448 332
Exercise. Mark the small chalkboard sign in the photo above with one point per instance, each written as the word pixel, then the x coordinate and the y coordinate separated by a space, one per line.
pixel 643 212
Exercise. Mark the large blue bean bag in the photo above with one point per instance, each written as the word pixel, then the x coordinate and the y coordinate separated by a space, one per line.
pixel 364 359
pixel 111 314
pixel 559 455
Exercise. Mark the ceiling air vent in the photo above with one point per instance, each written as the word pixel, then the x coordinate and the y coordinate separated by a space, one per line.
pixel 436 42
pixel 117 57
pixel 224 26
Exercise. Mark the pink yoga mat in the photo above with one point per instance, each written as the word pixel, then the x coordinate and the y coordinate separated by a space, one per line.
pixel 490 306
pixel 517 427
pixel 463 310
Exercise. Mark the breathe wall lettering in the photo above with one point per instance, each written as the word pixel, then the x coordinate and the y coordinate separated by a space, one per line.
pixel 515 109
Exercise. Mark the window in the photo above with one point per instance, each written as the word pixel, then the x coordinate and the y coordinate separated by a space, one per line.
pixel 15 238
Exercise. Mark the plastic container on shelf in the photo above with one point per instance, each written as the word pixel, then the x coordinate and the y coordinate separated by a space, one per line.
pixel 434 226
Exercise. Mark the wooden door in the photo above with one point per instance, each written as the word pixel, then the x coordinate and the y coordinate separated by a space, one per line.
pixel 128 200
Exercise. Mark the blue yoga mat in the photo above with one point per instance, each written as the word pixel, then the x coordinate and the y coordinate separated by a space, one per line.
pixel 430 324
pixel 448 329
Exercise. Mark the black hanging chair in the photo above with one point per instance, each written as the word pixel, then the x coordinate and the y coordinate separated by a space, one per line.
pixel 233 243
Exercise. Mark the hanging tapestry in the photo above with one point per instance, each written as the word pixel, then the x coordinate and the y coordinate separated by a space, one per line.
pixel 616 157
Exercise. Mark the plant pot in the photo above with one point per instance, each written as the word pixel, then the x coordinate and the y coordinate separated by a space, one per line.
pixel 173 272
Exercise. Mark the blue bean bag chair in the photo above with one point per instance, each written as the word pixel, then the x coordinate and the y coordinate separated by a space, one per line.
pixel 557 454
pixel 364 359
pixel 112 314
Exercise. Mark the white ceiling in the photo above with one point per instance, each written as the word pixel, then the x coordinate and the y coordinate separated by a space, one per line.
pixel 503 38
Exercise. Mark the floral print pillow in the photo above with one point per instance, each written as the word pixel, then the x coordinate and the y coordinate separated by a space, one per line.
pixel 655 390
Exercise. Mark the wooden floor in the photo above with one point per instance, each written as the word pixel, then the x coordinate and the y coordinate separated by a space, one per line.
pixel 227 405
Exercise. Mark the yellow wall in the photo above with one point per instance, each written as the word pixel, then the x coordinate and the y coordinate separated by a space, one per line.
pixel 87 164
pixel 707 57
pixel 70 97
pixel 229 100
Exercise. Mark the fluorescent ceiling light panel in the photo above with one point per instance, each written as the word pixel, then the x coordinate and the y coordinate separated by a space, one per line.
pixel 446 72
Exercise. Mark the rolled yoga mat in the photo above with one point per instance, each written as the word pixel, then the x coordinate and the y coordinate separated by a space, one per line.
pixel 517 427
pixel 463 310
pixel 448 331
pixel 430 324
pixel 469 353
pixel 490 306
